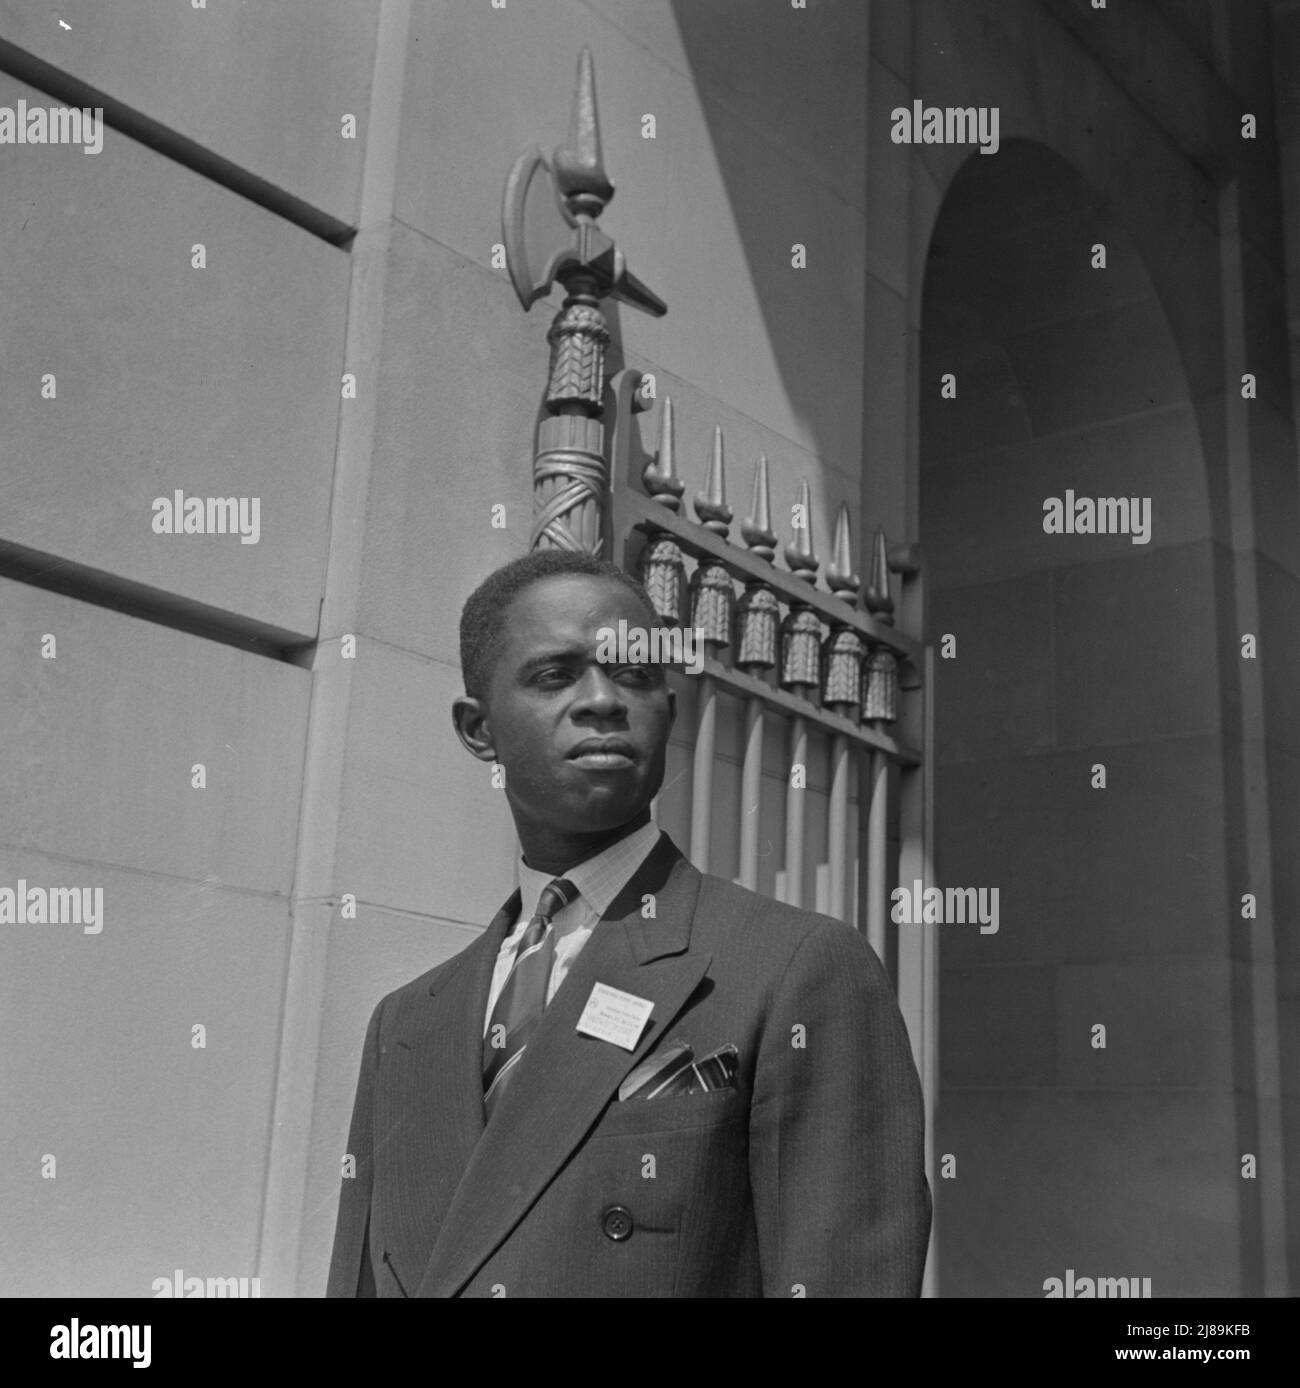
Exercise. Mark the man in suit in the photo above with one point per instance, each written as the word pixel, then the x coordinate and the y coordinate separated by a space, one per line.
pixel 640 1080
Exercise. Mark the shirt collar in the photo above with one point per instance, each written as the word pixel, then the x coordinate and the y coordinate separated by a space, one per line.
pixel 598 879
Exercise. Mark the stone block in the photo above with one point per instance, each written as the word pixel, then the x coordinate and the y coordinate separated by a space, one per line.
pixel 996 697
pixel 1086 875
pixel 1138 1185
pixel 219 382
pixel 1168 1024
pixel 160 1145
pixel 999 1026
pixel 983 511
pixel 1113 363
pixel 265 87
pixel 889 172
pixel 99 745
pixel 416 803
pixel 1131 662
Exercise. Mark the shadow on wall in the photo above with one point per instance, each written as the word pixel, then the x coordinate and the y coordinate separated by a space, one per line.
pixel 783 97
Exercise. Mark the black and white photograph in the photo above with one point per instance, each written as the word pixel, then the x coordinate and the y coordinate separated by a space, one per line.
pixel 650 651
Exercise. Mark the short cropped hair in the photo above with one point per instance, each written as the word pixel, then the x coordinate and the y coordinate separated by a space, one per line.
pixel 483 618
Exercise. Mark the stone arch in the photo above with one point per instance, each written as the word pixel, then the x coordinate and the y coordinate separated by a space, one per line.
pixel 1073 650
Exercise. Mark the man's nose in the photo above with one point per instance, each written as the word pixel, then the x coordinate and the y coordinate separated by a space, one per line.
pixel 597 693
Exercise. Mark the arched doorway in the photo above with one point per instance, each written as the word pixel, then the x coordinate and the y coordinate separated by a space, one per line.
pixel 1079 731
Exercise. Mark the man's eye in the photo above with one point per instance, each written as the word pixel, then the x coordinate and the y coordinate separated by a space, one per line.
pixel 551 675
pixel 641 674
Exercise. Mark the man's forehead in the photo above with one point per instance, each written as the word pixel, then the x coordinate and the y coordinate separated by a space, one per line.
pixel 571 606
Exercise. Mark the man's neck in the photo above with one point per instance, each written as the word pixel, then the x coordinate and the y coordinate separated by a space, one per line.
pixel 560 860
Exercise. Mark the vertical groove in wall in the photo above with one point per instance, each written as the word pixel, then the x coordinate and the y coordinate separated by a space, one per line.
pixel 280 1234
pixel 1255 1035
pixel 917 950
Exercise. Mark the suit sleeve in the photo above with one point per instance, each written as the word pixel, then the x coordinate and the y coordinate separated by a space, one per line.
pixel 350 1270
pixel 837 1159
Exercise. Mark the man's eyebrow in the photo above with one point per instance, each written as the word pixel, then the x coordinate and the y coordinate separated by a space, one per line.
pixel 556 655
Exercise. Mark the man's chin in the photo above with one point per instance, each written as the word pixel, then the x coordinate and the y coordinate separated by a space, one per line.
pixel 608 819
pixel 597 816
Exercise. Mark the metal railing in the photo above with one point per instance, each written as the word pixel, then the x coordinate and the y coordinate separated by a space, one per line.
pixel 823 662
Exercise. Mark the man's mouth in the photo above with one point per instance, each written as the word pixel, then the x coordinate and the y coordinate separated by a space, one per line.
pixel 604 753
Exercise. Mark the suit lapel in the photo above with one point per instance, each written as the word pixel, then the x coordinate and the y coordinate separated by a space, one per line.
pixel 564 1078
pixel 432 1122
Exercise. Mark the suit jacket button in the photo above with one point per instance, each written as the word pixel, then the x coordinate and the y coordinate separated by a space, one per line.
pixel 616 1223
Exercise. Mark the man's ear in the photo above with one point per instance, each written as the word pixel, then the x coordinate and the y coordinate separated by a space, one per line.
pixel 470 719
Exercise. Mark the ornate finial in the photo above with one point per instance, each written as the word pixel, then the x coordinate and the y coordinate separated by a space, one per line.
pixel 713 601
pixel 843 649
pixel 711 508
pixel 801 648
pixel 757 526
pixel 758 618
pixel 549 231
pixel 548 217
pixel 799 552
pixel 876 599
pixel 579 164
pixel 880 669
pixel 880 686
pixel 712 596
pixel 801 632
pixel 840 577
pixel 758 613
pixel 663 567
pixel 659 476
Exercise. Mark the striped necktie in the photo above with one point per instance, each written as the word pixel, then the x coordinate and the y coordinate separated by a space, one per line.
pixel 521 1002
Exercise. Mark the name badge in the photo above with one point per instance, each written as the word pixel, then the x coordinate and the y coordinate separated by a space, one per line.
pixel 612 1015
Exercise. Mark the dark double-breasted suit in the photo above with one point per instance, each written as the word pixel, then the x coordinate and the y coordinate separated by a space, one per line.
pixel 804 1177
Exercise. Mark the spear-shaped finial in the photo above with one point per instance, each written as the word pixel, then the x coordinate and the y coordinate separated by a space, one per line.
pixel 844 648
pixel 659 476
pixel 711 508
pixel 580 164
pixel 663 567
pixel 880 669
pixel 876 599
pixel 548 221
pixel 757 526
pixel 712 596
pixel 758 613
pixel 799 552
pixel 801 631
pixel 840 577
pixel 550 233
